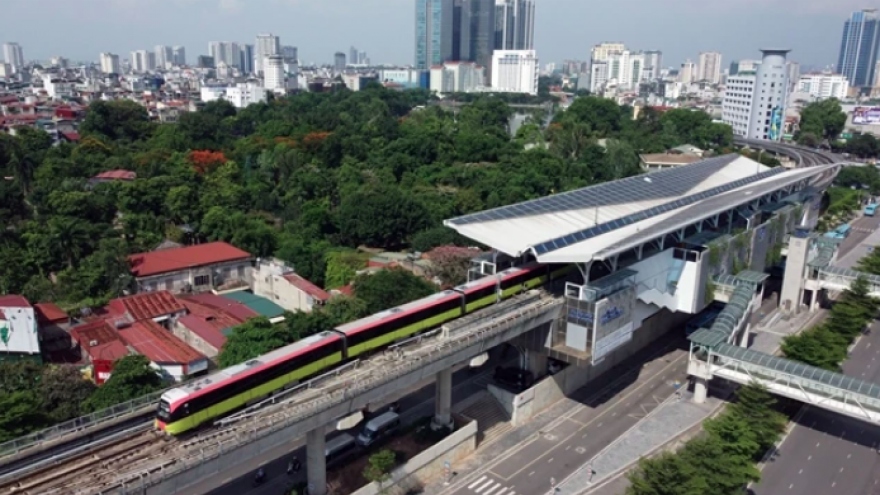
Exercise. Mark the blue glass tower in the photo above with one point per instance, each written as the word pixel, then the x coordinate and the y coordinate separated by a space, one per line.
pixel 859 48
pixel 434 32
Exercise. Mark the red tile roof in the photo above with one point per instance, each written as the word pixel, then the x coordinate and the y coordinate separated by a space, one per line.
pixel 235 309
pixel 307 287
pixel 146 306
pixel 71 136
pixel 14 301
pixel 172 260
pixel 209 328
pixel 159 345
pixel 95 337
pixel 117 175
pixel 50 313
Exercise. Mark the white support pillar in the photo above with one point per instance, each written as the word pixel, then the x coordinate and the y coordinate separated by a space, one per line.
pixel 536 362
pixel 316 462
pixel 744 340
pixel 701 389
pixel 443 399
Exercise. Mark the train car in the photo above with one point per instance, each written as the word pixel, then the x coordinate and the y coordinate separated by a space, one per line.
pixel 398 323
pixel 185 408
pixel 479 293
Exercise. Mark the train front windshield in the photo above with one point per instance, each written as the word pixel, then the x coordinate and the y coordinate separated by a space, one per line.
pixel 164 411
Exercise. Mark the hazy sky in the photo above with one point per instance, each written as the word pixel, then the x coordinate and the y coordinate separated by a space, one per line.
pixel 80 29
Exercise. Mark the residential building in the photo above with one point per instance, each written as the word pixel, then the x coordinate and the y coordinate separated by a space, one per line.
pixel 164 56
pixel 339 63
pixel 688 72
pixel 457 77
pixel 143 61
pixel 824 85
pixel 268 45
pixel 435 30
pixel 603 51
pixel 205 62
pixel 859 48
pixel 274 77
pixel 514 24
pixel 110 63
pixel 625 69
pixel 743 66
pixel 167 353
pixel 357 82
pixel 57 88
pixel 276 281
pixel 227 52
pixel 198 268
pixel 598 76
pixel 13 55
pixel 290 54
pixel 353 56
pixel 204 328
pixel 244 94
pixel 794 74
pixel 59 62
pixel 100 345
pixel 19 333
pixel 710 67
pixel 178 56
pixel 515 71
pixel 754 102
pixel 653 65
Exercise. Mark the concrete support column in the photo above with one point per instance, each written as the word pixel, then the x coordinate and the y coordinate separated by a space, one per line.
pixel 316 462
pixel 443 399
pixel 814 300
pixel 744 341
pixel 536 362
pixel 701 389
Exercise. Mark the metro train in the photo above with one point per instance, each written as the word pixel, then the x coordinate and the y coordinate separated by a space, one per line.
pixel 199 402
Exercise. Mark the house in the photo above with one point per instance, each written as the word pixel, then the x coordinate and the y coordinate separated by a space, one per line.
pixel 19 333
pixel 166 352
pixel 101 346
pixel 277 282
pixel 159 306
pixel 198 268
pixel 205 328
pixel 659 161
pixel 112 176
pixel 53 325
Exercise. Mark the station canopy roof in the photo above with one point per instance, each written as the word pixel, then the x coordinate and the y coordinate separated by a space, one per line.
pixel 597 222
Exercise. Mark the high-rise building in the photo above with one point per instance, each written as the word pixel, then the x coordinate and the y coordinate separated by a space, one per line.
pixel 457 77
pixel 110 63
pixel 289 53
pixel 710 67
pixel 205 62
pixel 754 102
pixel 227 52
pixel 435 23
pixel 794 74
pixel 823 85
pixel 179 56
pixel 143 61
pixel 353 57
pixel 164 56
pixel 267 45
pixel 688 72
pixel 339 63
pixel 602 51
pixel 13 55
pixel 859 48
pixel 247 63
pixel 363 59
pixel 515 71
pixel 476 31
pixel 653 65
pixel 514 24
pixel 274 77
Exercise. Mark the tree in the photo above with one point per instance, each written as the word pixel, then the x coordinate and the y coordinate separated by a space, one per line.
pixel 451 263
pixel 342 266
pixel 389 288
pixel 667 474
pixel 822 119
pixel 384 217
pixel 253 338
pixel 379 466
pixel 123 120
pixel 20 414
pixel 863 146
pixel 132 377
pixel 755 405
pixel 63 392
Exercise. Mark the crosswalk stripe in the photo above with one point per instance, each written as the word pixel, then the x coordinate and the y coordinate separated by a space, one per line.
pixel 483 487
pixel 490 490
pixel 475 483
pixel 502 492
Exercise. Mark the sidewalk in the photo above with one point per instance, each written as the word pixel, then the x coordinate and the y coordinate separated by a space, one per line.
pixel 670 421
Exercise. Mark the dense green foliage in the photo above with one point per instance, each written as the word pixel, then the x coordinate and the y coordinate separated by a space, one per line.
pixel 33 397
pixel 722 460
pixel 825 345
pixel 821 121
pixel 859 178
pixel 863 146
pixel 379 466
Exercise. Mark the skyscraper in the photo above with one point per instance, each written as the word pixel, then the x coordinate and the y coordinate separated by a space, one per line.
pixel 289 53
pixel 247 59
pixel 13 55
pixel 514 24
pixel 710 67
pixel 859 48
pixel 477 31
pixel 353 57
pixel 164 56
pixel 179 56
pixel 227 52
pixel 339 63
pixel 434 32
pixel 267 45
pixel 110 63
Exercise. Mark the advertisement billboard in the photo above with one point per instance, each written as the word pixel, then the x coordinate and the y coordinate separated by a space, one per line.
pixel 866 116
pixel 613 322
pixel 775 124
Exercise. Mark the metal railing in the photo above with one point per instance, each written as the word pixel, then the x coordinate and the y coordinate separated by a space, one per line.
pixel 372 374
pixel 77 425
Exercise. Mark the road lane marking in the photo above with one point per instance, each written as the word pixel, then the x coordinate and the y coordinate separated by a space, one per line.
pixel 484 485
pixel 801 471
pixel 809 458
pixel 817 444
pixel 791 486
pixel 531 473
pixel 475 483
pixel 490 490
pixel 833 483
pixel 549 460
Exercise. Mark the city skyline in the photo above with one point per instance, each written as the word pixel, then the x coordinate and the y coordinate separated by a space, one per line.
pixel 564 29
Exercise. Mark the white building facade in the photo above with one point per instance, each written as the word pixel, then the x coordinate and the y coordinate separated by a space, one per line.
pixel 457 77
pixel 710 67
pixel 110 63
pixel 754 103
pixel 13 55
pixel 824 85
pixel 274 77
pixel 267 45
pixel 515 71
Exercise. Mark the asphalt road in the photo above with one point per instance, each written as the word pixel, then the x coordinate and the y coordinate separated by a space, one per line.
pixel 602 416
pixel 415 405
pixel 861 229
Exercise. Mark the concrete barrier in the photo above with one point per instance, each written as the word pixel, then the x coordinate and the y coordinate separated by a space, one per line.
pixel 428 465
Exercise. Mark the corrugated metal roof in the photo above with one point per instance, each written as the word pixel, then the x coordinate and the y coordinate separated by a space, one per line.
pixel 260 305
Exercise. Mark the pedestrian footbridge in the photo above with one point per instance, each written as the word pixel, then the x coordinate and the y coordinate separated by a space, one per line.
pixel 839 279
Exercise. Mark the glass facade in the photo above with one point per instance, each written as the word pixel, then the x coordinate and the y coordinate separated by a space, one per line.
pixel 429 32
pixel 859 48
